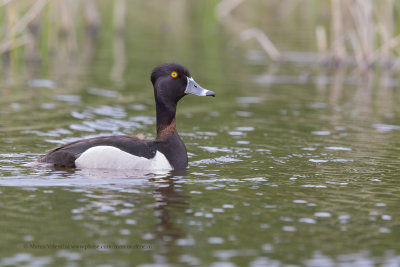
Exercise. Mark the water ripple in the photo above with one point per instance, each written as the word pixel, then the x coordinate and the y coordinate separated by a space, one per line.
pixel 103 92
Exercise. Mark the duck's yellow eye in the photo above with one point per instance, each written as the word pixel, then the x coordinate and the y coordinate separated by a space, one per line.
pixel 174 74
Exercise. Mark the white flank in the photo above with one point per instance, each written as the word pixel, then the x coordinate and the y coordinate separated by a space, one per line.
pixel 109 157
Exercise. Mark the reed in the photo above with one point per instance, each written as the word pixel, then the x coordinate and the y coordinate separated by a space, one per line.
pixel 46 37
pixel 45 23
pixel 357 33
pixel 363 30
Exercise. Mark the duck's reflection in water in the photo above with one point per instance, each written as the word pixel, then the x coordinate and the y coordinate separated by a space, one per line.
pixel 171 203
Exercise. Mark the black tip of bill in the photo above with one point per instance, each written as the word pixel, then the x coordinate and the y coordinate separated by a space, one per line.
pixel 210 93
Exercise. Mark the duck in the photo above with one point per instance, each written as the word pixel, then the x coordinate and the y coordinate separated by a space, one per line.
pixel 171 82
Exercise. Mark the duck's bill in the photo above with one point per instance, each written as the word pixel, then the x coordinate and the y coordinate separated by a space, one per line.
pixel 194 89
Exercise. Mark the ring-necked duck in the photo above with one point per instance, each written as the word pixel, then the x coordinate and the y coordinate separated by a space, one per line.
pixel 171 82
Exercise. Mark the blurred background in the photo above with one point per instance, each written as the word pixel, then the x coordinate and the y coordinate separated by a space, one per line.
pixel 301 41
pixel 48 33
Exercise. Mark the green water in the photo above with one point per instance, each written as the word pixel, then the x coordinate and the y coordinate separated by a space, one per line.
pixel 280 174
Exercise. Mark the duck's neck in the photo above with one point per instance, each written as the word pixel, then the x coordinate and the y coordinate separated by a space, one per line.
pixel 168 141
pixel 166 125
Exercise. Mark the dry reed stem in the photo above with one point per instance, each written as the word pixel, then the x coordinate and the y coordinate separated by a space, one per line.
pixel 322 42
pixel 386 47
pixel 32 13
pixel 225 7
pixel 263 40
pixel 119 15
pixel 5 2
pixel 8 45
pixel 92 14
pixel 337 47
